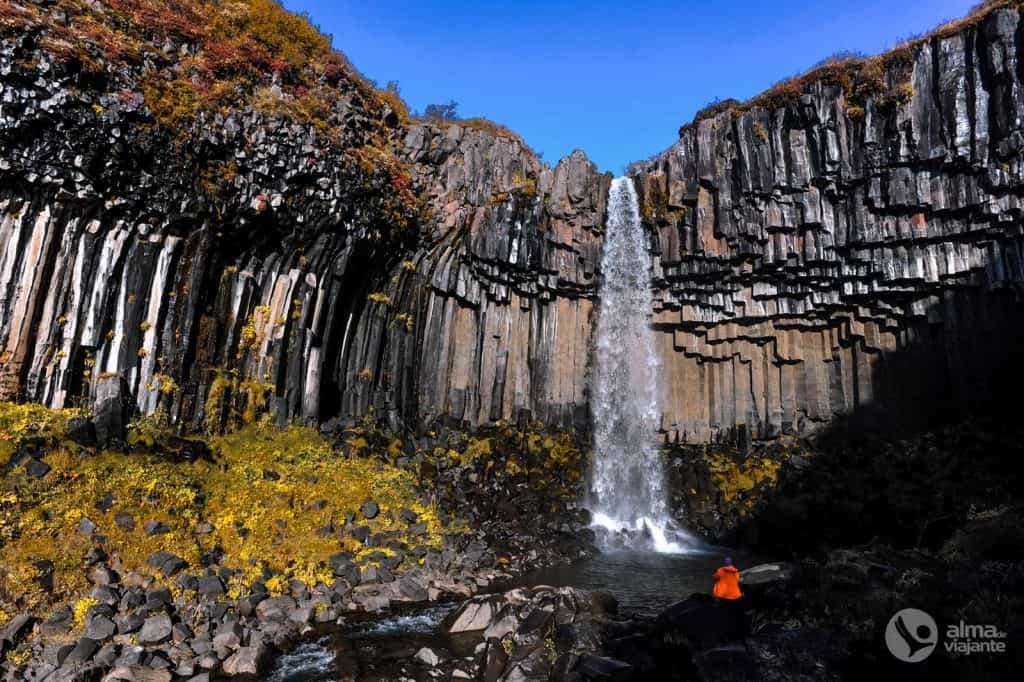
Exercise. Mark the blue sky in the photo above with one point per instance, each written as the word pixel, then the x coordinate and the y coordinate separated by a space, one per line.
pixel 606 77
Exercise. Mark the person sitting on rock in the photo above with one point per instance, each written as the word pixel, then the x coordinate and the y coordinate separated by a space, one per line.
pixel 727 582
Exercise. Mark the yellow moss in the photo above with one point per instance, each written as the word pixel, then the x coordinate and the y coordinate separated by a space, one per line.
pixel 406 320
pixel 257 517
pixel 81 609
pixel 378 297
pixel 19 421
pixel 734 479
pixel 167 384
pixel 252 334
pixel 477 448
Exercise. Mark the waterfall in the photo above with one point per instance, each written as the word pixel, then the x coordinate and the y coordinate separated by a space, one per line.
pixel 628 494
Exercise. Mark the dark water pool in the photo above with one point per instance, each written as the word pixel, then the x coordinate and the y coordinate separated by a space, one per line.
pixel 643 582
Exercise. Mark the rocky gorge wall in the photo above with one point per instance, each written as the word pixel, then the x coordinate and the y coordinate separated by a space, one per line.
pixel 847 243
pixel 277 275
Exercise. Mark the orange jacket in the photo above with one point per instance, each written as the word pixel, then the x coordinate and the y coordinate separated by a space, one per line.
pixel 727 583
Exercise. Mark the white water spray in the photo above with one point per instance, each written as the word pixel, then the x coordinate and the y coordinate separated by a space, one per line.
pixel 628 491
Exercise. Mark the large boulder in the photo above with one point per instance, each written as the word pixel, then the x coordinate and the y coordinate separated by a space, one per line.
pixel 113 410
pixel 769 585
pixel 704 621
pixel 476 614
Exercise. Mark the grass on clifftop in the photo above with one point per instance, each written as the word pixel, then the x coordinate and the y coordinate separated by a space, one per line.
pixel 269 494
pixel 861 78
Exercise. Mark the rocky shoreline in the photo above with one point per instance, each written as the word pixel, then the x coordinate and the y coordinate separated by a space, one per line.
pixel 183 627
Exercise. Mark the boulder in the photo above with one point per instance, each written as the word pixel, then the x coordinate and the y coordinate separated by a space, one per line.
pixel 248 660
pixel 58 623
pixel 137 673
pixel 704 621
pixel 82 431
pixel 476 614
pixel 36 468
pixel 596 668
pixel 82 651
pixel 156 528
pixel 101 628
pixel 156 630
pixel 429 657
pixel 112 410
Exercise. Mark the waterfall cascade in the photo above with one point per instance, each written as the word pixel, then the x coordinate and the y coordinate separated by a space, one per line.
pixel 628 495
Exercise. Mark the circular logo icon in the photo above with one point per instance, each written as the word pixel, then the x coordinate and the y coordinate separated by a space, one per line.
pixel 911 635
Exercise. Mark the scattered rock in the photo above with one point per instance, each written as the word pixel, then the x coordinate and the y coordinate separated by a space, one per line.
pixel 156 630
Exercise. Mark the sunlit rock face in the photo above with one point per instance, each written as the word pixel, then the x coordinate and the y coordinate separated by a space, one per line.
pixel 834 254
pixel 277 278
pixel 815 257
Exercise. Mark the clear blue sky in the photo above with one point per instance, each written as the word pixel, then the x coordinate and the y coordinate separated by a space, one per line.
pixel 607 77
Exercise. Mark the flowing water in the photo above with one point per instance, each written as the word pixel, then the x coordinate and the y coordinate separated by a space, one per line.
pixel 628 496
pixel 648 562
pixel 644 583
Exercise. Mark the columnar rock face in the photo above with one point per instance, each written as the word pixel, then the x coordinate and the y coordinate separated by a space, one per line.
pixel 834 253
pixel 490 317
pixel 822 254
pixel 277 277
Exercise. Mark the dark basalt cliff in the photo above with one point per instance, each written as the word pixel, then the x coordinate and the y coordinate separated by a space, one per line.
pixel 853 244
pixel 258 264
pixel 838 249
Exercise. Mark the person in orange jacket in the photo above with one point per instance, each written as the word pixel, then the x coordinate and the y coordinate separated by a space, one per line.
pixel 727 582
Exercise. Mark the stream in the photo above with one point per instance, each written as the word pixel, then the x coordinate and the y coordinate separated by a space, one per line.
pixel 643 582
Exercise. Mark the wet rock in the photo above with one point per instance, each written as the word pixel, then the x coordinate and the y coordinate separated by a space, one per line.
pixel 370 510
pixel 429 657
pixel 600 668
pixel 476 614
